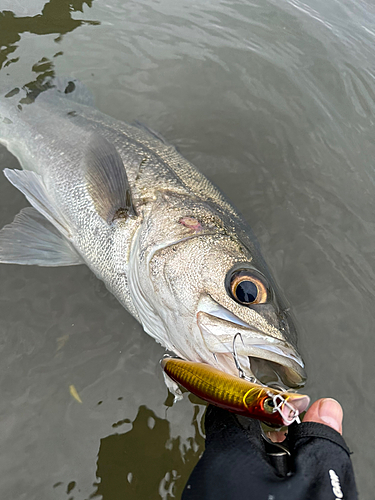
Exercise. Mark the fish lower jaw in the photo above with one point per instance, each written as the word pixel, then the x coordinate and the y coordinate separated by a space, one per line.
pixel 266 360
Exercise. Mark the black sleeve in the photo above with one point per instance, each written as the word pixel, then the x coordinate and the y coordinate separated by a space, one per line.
pixel 235 463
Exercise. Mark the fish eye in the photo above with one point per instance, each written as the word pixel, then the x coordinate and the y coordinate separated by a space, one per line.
pixel 269 405
pixel 248 287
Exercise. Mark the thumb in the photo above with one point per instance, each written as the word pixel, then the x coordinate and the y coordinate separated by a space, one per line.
pixel 326 411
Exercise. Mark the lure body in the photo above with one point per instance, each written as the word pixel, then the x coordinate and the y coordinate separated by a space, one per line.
pixel 236 394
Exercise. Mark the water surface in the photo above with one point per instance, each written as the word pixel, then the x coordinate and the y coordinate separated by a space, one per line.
pixel 274 101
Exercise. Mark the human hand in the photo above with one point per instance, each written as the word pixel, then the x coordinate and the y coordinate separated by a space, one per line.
pixel 237 460
pixel 326 411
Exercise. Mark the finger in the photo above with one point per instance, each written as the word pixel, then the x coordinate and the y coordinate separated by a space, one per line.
pixel 326 411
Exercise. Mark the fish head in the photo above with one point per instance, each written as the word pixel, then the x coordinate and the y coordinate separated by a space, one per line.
pixel 217 303
pixel 241 318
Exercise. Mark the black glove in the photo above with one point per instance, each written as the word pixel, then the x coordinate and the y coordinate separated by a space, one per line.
pixel 236 464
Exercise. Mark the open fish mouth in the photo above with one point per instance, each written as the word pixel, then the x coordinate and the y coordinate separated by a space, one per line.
pixel 269 360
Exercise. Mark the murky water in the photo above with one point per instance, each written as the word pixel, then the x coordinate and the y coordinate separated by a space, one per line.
pixel 275 102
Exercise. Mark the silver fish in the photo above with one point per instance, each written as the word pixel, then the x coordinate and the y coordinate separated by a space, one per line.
pixel 164 240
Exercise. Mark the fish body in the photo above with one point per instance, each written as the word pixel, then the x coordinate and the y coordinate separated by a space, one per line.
pixel 164 240
pixel 236 394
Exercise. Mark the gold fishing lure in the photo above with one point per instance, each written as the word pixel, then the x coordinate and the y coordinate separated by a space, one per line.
pixel 236 394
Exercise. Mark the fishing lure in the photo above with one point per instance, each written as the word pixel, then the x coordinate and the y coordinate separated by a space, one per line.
pixel 236 394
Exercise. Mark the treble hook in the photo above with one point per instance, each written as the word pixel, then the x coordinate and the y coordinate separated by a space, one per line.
pixel 241 373
pixel 279 401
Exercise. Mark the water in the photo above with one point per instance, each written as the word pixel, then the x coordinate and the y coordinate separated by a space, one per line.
pixel 274 101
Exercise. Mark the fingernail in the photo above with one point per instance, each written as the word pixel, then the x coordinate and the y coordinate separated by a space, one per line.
pixel 330 412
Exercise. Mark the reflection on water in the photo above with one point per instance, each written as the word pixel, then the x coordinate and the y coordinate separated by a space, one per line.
pixel 56 18
pixel 146 462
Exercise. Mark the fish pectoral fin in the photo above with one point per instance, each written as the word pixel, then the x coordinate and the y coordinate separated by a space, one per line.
pixel 32 239
pixel 107 181
pixel 32 186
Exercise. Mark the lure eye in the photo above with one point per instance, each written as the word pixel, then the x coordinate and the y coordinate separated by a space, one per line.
pixel 247 288
pixel 269 405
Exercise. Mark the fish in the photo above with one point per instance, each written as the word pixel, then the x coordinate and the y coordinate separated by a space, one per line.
pixel 163 239
pixel 236 394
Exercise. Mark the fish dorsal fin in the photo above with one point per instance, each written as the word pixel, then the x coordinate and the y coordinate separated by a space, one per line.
pixel 32 186
pixel 150 131
pixel 32 239
pixel 107 181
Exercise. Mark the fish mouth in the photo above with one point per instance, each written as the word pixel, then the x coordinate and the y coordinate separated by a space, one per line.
pixel 269 359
